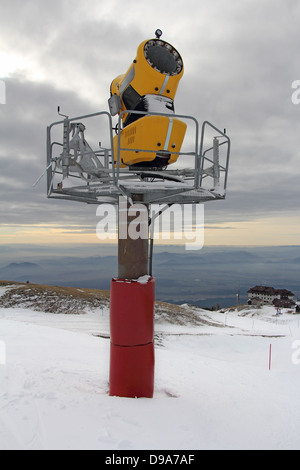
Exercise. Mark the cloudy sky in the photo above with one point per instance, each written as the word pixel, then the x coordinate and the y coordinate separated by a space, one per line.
pixel 241 58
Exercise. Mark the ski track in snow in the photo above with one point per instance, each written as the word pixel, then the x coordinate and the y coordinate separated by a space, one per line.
pixel 213 388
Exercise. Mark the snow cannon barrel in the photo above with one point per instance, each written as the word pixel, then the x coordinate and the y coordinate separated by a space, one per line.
pixel 149 85
pixel 132 338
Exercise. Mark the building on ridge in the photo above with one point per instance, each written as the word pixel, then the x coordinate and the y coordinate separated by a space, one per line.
pixel 264 295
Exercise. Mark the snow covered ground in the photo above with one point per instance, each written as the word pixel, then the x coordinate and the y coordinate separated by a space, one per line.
pixel 213 387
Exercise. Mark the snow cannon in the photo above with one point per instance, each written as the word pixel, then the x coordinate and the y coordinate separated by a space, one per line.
pixel 150 136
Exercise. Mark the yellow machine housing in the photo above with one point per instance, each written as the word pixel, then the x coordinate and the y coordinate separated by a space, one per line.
pixel 149 85
pixel 156 137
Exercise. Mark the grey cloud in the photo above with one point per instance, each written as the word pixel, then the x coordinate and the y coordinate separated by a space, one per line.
pixel 240 62
pixel 30 108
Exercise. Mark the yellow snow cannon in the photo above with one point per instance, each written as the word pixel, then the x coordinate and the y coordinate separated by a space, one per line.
pixel 149 86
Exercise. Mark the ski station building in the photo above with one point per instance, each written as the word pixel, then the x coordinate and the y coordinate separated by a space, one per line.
pixel 263 295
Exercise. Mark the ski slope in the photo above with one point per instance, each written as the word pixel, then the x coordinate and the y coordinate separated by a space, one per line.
pixel 213 387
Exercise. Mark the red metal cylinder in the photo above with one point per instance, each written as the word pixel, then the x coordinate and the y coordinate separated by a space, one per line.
pixel 132 338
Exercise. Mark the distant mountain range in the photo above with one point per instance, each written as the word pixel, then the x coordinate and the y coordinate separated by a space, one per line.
pixel 24 265
pixel 214 275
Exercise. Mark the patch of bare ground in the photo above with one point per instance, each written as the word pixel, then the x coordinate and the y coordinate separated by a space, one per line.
pixel 71 300
pixel 52 299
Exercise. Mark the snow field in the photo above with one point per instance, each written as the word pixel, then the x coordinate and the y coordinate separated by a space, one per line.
pixel 213 388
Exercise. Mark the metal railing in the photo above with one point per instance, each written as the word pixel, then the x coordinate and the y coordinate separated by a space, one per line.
pixel 201 172
pixel 103 177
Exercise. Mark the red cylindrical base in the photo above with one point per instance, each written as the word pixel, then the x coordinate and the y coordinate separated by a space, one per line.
pixel 132 334
pixel 132 371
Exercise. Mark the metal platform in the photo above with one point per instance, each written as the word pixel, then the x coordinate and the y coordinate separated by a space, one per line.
pixel 85 170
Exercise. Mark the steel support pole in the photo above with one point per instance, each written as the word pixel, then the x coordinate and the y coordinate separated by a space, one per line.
pixel 132 307
pixel 133 240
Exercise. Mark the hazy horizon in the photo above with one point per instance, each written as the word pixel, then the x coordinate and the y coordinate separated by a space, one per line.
pixel 206 277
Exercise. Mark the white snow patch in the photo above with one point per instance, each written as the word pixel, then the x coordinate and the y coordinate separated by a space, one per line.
pixel 144 279
pixel 3 289
pixel 213 387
